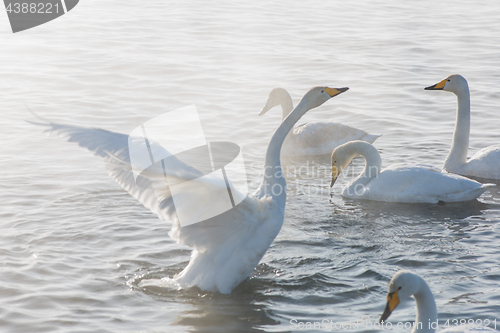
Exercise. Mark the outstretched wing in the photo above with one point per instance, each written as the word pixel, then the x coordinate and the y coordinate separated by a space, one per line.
pixel 151 187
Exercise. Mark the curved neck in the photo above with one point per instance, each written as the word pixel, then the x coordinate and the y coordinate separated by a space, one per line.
pixel 286 104
pixel 460 144
pixel 373 164
pixel 274 183
pixel 426 310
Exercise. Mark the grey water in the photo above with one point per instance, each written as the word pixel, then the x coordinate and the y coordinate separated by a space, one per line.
pixel 74 246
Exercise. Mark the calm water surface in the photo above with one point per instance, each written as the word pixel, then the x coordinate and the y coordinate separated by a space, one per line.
pixel 75 246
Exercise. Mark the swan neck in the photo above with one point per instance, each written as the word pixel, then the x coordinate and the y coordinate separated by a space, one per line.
pixel 286 105
pixel 460 144
pixel 373 164
pixel 426 309
pixel 274 183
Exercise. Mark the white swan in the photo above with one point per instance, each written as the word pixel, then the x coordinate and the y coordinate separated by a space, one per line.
pixel 229 246
pixel 405 284
pixel 400 182
pixel 316 138
pixel 486 162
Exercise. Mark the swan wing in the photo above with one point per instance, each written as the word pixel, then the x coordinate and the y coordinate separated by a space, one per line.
pixel 113 149
pixel 320 138
pixel 151 188
pixel 485 163
pixel 227 246
pixel 421 183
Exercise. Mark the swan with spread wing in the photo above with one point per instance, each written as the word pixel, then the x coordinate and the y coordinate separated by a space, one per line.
pixel 227 247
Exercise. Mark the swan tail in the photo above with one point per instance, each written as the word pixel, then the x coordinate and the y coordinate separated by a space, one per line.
pixel 370 137
pixel 468 195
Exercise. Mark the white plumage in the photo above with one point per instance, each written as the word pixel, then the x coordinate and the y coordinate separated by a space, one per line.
pixel 315 138
pixel 400 182
pixel 227 247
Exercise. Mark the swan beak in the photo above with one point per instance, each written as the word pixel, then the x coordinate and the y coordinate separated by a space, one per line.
pixel 335 174
pixel 437 86
pixel 335 91
pixel 271 103
pixel 392 302
pixel 333 181
pixel 266 108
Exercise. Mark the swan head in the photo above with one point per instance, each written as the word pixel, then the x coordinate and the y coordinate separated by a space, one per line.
pixel 341 157
pixel 319 95
pixel 455 83
pixel 276 97
pixel 403 285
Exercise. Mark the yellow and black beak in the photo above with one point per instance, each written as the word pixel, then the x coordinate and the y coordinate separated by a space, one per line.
pixel 333 181
pixel 335 91
pixel 437 86
pixel 335 174
pixel 392 302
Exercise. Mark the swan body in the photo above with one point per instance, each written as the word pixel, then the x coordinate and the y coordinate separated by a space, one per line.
pixel 400 182
pixel 316 138
pixel 227 247
pixel 486 162
pixel 405 284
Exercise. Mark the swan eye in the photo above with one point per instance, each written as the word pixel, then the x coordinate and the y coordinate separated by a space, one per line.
pixel 322 91
pixel 400 287
pixel 448 80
